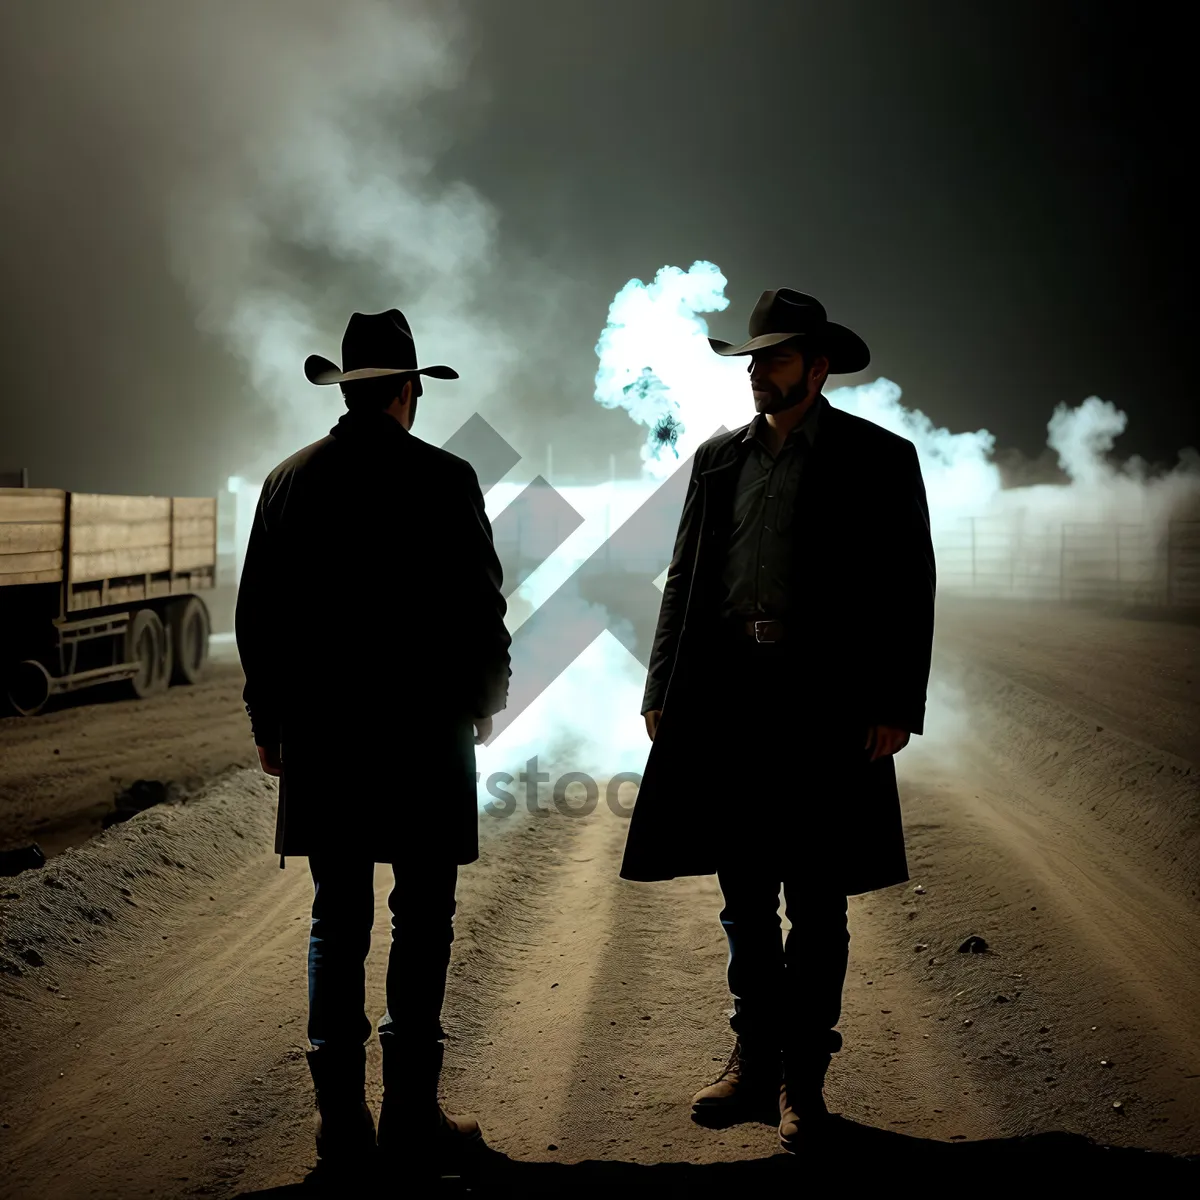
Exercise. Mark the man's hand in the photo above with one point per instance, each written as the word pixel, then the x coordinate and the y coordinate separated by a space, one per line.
pixel 652 719
pixel 270 760
pixel 885 739
pixel 483 729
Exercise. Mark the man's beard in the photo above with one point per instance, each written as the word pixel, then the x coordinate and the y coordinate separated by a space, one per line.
pixel 778 401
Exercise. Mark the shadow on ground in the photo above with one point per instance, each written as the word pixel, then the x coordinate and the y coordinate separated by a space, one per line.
pixel 850 1152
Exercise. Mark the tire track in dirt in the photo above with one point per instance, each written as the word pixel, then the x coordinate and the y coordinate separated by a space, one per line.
pixel 183 1071
pixel 628 1010
pixel 60 770
pixel 1084 914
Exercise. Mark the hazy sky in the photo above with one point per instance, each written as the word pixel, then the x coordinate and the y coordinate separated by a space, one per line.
pixel 993 196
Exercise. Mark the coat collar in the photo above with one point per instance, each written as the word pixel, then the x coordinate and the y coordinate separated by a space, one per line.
pixel 823 418
pixel 370 424
pixel 807 427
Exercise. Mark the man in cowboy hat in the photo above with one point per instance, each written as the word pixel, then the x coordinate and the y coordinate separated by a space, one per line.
pixel 370 623
pixel 789 664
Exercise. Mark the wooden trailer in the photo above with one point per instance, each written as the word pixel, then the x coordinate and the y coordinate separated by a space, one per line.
pixel 102 589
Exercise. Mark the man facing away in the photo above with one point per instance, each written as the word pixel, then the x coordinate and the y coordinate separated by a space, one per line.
pixel 370 624
pixel 790 662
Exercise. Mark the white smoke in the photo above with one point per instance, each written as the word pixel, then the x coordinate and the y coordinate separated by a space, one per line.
pixel 655 362
pixel 321 197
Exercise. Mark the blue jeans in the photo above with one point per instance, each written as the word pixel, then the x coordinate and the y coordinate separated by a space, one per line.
pixel 787 993
pixel 422 906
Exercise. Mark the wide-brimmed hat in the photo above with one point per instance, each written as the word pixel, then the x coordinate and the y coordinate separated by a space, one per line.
pixel 374 344
pixel 782 314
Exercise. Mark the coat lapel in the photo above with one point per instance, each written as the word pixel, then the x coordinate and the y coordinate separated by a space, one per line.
pixel 812 491
pixel 719 483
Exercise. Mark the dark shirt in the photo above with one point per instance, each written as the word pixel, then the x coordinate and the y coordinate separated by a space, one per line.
pixel 756 578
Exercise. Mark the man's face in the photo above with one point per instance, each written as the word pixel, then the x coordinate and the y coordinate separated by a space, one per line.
pixel 779 378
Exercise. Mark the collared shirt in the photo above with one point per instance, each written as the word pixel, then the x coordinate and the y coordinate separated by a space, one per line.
pixel 757 574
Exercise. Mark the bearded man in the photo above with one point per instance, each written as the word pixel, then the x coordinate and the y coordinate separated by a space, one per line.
pixel 790 663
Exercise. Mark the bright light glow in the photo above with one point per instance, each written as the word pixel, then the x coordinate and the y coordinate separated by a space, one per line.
pixel 655 362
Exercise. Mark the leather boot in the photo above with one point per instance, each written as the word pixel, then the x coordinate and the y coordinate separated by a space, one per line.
pixel 344 1126
pixel 748 1087
pixel 414 1130
pixel 803 1117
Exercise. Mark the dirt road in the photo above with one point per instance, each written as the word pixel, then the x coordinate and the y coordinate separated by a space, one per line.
pixel 1051 809
pixel 60 771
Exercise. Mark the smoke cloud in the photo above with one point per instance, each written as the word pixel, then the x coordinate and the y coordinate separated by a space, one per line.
pixel 655 362
pixel 196 196
pixel 329 203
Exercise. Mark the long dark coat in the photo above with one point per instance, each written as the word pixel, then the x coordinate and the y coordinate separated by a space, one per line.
pixel 370 624
pixel 865 572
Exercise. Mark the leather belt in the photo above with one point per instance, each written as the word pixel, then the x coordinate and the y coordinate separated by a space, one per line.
pixel 762 629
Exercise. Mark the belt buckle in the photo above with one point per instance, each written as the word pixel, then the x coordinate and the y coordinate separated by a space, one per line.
pixel 758 630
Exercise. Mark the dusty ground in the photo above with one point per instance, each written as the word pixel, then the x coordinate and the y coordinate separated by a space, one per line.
pixel 60 771
pixel 152 982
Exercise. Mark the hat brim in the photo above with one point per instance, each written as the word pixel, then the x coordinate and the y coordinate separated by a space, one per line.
pixel 321 371
pixel 846 351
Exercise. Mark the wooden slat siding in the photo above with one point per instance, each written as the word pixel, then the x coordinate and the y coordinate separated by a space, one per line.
pixel 193 533
pixel 88 509
pixel 119 542
pixel 125 593
pixel 31 535
pixel 84 598
pixel 118 536
pixel 192 583
pixel 189 507
pixel 110 564
pixel 32 504
pixel 188 558
pixel 89 538
pixel 42 560
pixel 31 577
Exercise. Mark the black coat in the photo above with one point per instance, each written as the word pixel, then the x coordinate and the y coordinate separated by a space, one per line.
pixel 370 624
pixel 865 569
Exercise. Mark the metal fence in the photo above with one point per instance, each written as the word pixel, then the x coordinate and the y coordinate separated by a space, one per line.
pixel 1073 561
pixel 1126 562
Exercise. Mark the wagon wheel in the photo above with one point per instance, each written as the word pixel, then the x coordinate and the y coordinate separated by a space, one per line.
pixel 28 687
pixel 189 626
pixel 147 643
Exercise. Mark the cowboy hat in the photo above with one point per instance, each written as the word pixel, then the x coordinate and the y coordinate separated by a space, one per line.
pixel 782 314
pixel 374 344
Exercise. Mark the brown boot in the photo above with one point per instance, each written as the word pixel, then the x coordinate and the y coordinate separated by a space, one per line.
pixel 803 1117
pixel 748 1087
pixel 345 1128
pixel 414 1131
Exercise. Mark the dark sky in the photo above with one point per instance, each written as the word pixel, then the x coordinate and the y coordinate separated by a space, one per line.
pixel 992 195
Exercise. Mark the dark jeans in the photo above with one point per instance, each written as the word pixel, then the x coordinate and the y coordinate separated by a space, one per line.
pixel 422 906
pixel 786 992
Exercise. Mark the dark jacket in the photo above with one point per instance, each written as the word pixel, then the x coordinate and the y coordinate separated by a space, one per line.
pixel 864 566
pixel 370 624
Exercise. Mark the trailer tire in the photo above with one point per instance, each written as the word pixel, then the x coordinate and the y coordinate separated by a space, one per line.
pixel 147 643
pixel 27 687
pixel 189 627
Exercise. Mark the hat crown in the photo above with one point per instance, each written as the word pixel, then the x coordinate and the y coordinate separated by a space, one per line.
pixel 785 310
pixel 378 340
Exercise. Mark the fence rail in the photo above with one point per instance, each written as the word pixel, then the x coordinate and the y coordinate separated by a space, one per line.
pixel 1074 561
pixel 1127 562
